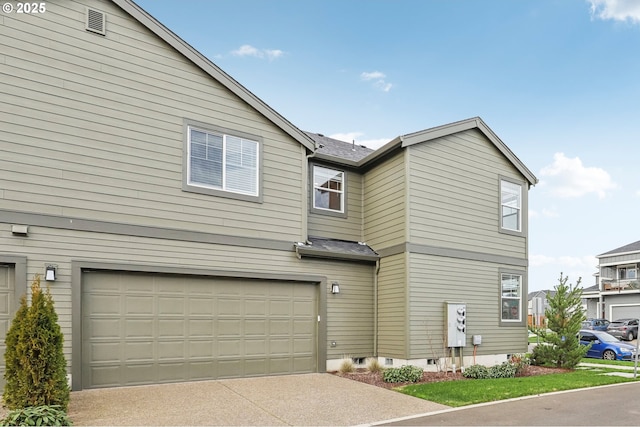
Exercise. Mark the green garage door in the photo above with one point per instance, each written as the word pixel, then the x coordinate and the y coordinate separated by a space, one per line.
pixel 6 311
pixel 147 329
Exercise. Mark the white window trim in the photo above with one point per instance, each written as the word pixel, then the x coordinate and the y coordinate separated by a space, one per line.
pixel 224 162
pixel 341 192
pixel 519 208
pixel 518 298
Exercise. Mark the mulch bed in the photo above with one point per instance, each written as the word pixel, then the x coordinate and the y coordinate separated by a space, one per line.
pixel 375 378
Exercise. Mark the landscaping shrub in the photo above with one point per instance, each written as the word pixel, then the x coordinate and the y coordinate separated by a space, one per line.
pixel 37 416
pixel 406 373
pixel 35 372
pixel 347 366
pixel 504 370
pixel 477 372
pixel 373 365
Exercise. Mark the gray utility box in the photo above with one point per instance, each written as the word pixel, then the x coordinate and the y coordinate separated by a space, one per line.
pixel 455 324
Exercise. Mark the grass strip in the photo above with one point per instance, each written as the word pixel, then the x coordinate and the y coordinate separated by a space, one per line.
pixel 469 392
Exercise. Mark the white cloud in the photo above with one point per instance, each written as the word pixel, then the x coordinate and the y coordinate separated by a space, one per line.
pixel 354 136
pixel 574 267
pixel 248 50
pixel 618 10
pixel 570 178
pixel 378 79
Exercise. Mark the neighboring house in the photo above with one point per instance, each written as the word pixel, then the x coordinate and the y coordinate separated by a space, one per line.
pixel 537 305
pixel 191 232
pixel 617 294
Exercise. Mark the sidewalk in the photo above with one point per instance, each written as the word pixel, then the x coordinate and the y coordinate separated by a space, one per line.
pixel 624 371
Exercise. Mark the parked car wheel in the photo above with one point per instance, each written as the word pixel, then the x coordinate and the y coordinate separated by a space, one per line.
pixel 609 355
pixel 630 336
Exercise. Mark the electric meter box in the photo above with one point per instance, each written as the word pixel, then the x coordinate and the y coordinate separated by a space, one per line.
pixel 455 324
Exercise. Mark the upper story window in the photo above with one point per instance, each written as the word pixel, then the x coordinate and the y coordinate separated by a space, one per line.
pixel 627 273
pixel 511 206
pixel 510 297
pixel 222 162
pixel 328 189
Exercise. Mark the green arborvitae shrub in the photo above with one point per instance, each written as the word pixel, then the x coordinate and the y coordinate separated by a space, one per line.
pixel 37 416
pixel 560 346
pixel 35 372
pixel 403 374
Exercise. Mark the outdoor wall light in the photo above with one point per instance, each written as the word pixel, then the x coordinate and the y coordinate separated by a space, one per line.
pixel 335 288
pixel 50 272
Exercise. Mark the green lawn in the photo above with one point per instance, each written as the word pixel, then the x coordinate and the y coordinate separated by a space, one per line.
pixel 462 393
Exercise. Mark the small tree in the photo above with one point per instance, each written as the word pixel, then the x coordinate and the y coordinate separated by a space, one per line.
pixel 35 372
pixel 561 346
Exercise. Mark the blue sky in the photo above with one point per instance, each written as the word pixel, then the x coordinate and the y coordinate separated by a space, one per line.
pixel 557 80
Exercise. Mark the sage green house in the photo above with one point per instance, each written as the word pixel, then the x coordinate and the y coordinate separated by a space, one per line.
pixel 187 231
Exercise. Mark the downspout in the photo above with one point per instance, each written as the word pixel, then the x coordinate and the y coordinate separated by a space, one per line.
pixel 375 309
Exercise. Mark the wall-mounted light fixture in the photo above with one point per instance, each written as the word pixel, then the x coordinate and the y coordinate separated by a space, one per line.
pixel 50 272
pixel 335 288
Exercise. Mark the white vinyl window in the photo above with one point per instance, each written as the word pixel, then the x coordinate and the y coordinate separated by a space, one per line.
pixel 627 273
pixel 223 162
pixel 510 297
pixel 511 206
pixel 328 189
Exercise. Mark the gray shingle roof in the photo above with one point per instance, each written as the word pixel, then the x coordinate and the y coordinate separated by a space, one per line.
pixel 334 248
pixel 340 149
pixel 631 247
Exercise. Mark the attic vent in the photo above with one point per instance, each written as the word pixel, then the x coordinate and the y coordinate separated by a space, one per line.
pixel 96 21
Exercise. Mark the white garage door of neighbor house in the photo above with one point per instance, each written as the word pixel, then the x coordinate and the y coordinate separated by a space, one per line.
pixel 625 312
pixel 148 329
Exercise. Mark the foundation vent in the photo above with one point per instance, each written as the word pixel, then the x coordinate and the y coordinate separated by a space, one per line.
pixel 96 21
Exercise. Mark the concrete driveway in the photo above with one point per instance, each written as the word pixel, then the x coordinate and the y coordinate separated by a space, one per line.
pixel 301 400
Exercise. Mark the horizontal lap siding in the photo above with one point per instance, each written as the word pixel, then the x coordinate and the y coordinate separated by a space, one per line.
pixel 385 203
pixel 392 307
pixel 454 187
pixel 349 228
pixel 110 112
pixel 435 280
pixel 349 314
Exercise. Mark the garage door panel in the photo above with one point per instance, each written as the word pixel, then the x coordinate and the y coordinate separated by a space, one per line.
pixel 105 352
pixel 201 328
pixel 171 328
pixel 200 306
pixel 144 329
pixel 255 308
pixel 105 304
pixel 139 305
pixel 171 305
pixel 201 349
pixel 280 308
pixel 104 376
pixel 137 351
pixel 229 327
pixel 138 328
pixel 254 348
pixel 171 350
pixel 229 307
pixel 103 328
pixel 253 327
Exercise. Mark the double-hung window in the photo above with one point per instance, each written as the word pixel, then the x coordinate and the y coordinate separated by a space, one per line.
pixel 222 162
pixel 328 189
pixel 510 297
pixel 511 206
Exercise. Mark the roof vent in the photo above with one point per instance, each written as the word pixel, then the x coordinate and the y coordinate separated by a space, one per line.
pixel 96 21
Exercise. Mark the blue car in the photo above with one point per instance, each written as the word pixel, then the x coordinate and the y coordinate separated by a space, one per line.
pixel 605 346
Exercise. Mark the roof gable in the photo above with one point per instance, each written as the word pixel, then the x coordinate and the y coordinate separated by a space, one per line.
pixel 461 126
pixel 630 248
pixel 213 70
